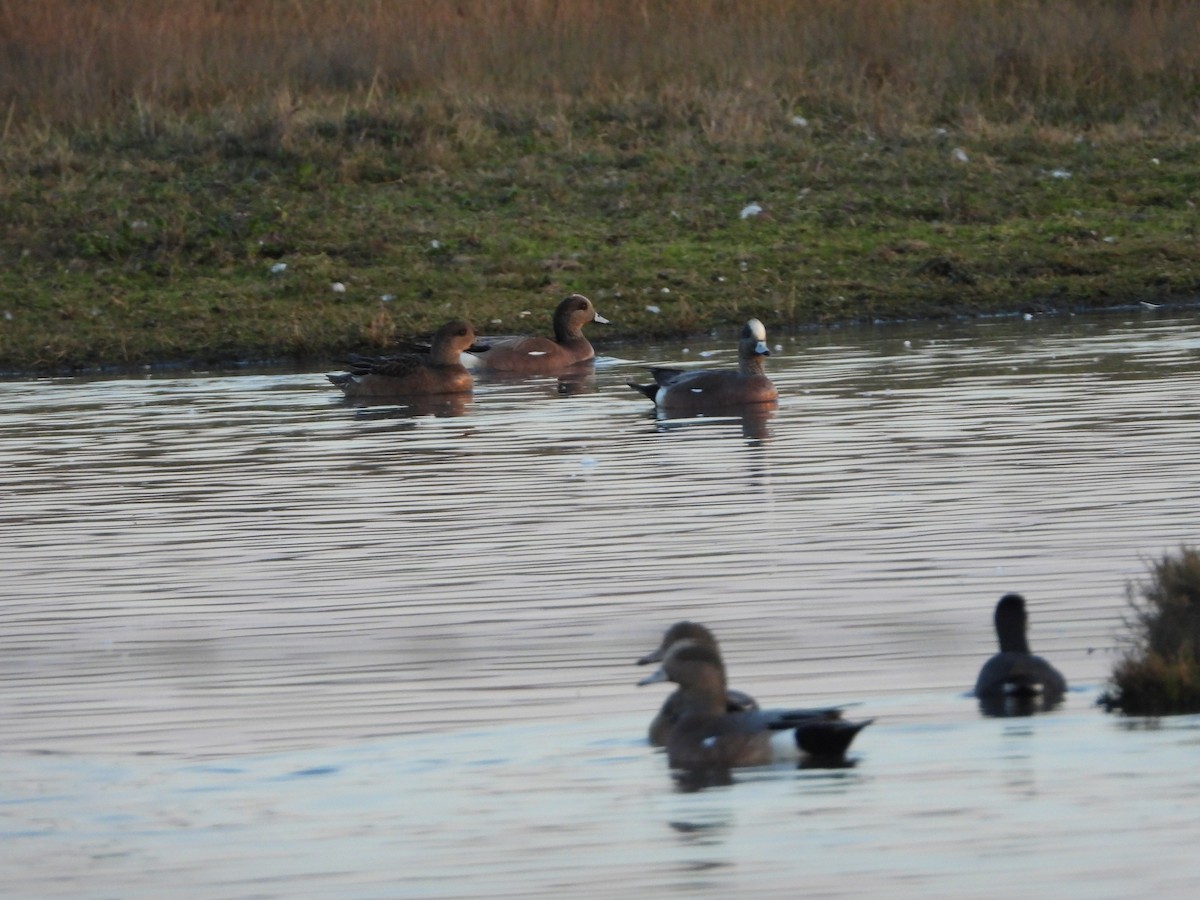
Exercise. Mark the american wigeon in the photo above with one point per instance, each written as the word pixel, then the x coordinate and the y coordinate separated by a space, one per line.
pixel 735 701
pixel 706 735
pixel 415 374
pixel 1015 680
pixel 668 714
pixel 698 390
pixel 540 355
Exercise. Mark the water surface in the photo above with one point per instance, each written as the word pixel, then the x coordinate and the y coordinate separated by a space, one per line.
pixel 256 642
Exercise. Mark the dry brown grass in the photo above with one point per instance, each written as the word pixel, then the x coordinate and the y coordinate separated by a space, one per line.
pixel 1160 675
pixel 722 68
pixel 156 158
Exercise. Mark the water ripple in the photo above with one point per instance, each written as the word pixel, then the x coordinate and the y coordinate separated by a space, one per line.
pixel 225 566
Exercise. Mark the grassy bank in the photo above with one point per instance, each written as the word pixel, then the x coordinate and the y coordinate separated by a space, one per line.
pixel 189 181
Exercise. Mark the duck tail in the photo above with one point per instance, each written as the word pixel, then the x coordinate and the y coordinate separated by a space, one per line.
pixel 828 738
pixel 650 390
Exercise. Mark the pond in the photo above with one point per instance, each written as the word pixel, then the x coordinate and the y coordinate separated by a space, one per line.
pixel 257 642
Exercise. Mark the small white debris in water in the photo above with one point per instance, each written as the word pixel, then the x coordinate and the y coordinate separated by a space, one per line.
pixel 750 209
pixel 653 309
pixel 278 268
pixel 435 244
pixel 800 121
pixel 958 154
pixel 387 298
pixel 1028 317
pixel 707 353
pixel 686 350
pixel 338 287
pixel 1110 240
pixel 779 348
pixel 1060 173
pixel 908 344
pixel 666 290
pixel 588 462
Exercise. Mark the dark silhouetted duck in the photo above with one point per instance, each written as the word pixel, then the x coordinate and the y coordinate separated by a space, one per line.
pixel 541 355
pixel 1014 680
pixel 706 735
pixel 700 390
pixel 439 371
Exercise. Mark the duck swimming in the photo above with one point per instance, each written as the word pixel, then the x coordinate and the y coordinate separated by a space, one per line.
pixel 415 374
pixel 540 355
pixel 705 735
pixel 1015 680
pixel 669 713
pixel 700 390
pixel 735 701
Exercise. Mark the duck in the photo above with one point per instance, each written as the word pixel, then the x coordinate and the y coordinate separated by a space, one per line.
pixel 698 390
pixel 1015 680
pixel 707 736
pixel 668 714
pixel 531 355
pixel 414 373
pixel 735 701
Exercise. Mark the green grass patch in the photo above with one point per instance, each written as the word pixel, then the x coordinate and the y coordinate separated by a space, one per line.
pixel 124 255
pixel 966 159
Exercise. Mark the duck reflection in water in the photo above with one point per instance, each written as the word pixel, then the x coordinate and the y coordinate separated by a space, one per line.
pixel 1015 682
pixel 706 739
pixel 445 406
pixel 570 382
pixel 754 421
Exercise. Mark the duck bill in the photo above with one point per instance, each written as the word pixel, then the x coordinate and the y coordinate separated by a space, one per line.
pixel 761 349
pixel 599 318
pixel 656 656
pixel 655 677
